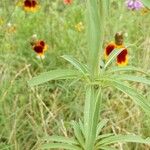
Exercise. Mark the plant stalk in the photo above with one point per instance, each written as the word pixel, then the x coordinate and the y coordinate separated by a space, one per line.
pixel 91 115
pixel 96 10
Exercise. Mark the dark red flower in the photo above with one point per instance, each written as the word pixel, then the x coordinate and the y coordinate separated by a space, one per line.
pixel 27 3
pixel 30 5
pixel 39 47
pixel 122 58
pixel 67 1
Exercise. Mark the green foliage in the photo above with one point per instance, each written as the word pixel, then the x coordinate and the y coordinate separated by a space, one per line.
pixel 60 145
pixel 132 78
pixel 146 3
pixel 100 126
pixel 124 69
pixel 29 114
pixel 88 135
pixel 78 134
pixel 81 67
pixel 123 138
pixel 136 96
pixel 94 34
pixel 58 74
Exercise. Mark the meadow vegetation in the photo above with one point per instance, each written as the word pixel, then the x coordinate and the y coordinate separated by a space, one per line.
pixel 27 114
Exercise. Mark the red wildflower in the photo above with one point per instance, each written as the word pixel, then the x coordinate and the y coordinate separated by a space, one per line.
pixel 30 5
pixel 40 47
pixel 122 58
pixel 67 2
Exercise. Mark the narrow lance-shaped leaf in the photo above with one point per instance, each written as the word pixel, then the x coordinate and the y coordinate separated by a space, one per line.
pixel 60 139
pixel 132 78
pixel 54 75
pixel 82 128
pixel 81 67
pixel 124 138
pixel 78 134
pixel 60 146
pixel 106 148
pixel 100 126
pixel 104 136
pixel 132 93
pixel 125 68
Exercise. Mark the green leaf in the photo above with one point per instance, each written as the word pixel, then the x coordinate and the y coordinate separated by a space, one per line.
pixel 91 117
pixel 54 75
pixel 78 134
pixel 81 67
pixel 125 68
pixel 82 127
pixel 94 35
pixel 61 146
pixel 132 93
pixel 146 3
pixel 100 126
pixel 124 138
pixel 61 139
pixel 106 148
pixel 132 78
pixel 112 56
pixel 104 136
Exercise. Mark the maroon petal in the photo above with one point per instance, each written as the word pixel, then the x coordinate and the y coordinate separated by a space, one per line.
pixel 34 3
pixel 27 3
pixel 109 49
pixel 38 49
pixel 122 57
pixel 42 43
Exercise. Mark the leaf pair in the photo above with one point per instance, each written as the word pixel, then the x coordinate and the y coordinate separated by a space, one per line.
pixel 75 143
pixel 60 74
pixel 103 141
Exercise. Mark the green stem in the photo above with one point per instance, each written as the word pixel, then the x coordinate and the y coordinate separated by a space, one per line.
pixel 96 10
pixel 93 36
pixel 91 115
